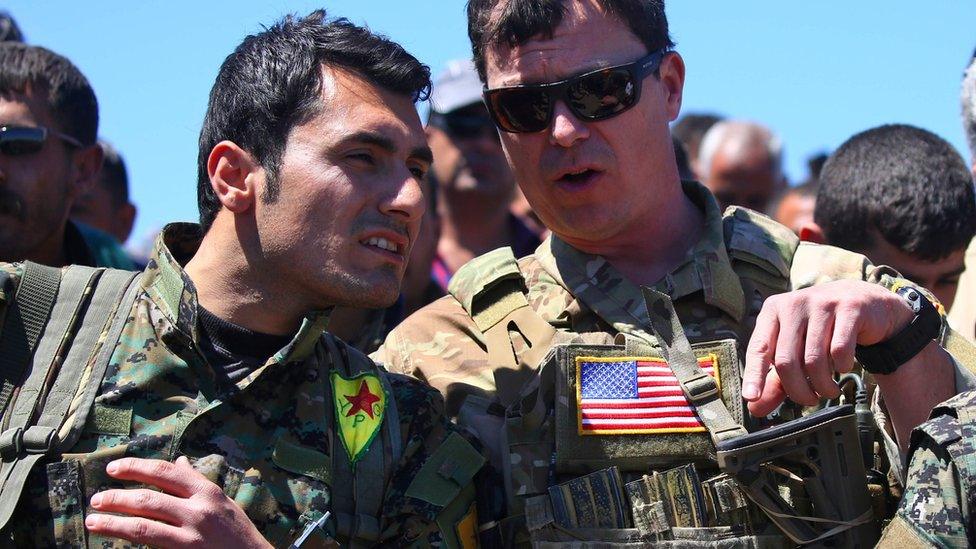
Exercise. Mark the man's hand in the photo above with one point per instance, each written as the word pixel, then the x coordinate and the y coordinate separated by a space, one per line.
pixel 802 337
pixel 191 510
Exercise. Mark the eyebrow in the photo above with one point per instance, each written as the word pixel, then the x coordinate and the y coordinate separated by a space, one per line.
pixel 375 139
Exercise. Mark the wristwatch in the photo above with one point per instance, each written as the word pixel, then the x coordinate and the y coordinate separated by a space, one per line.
pixel 885 357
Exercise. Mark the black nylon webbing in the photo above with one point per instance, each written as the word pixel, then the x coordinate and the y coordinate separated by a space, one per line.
pixel 27 315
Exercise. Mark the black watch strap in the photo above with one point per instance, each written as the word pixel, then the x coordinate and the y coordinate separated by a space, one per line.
pixel 885 357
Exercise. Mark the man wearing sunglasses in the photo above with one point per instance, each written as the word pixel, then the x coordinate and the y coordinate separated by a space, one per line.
pixel 474 183
pixel 48 158
pixel 554 359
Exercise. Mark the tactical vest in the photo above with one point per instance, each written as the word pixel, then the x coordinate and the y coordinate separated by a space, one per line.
pixel 597 481
pixel 59 334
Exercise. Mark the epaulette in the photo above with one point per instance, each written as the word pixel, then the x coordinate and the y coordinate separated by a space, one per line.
pixel 485 285
pixel 758 241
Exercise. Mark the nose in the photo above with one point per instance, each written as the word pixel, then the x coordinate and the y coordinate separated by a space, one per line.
pixel 406 200
pixel 566 129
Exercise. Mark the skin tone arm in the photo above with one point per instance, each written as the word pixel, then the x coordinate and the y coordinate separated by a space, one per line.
pixel 803 337
pixel 190 511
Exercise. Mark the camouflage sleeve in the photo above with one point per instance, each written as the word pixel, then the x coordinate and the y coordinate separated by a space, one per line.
pixel 11 274
pixel 431 497
pixel 440 345
pixel 934 505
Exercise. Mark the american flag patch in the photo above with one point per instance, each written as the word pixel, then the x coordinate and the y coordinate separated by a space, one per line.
pixel 635 395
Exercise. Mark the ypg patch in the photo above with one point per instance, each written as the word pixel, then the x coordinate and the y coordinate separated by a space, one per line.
pixel 635 396
pixel 360 405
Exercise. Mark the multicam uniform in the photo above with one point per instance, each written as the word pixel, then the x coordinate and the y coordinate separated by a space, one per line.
pixel 548 426
pixel 318 428
pixel 940 490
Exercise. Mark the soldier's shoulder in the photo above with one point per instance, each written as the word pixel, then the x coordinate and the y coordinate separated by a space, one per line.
pixel 756 239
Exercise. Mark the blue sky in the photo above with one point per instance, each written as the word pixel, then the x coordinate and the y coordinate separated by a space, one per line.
pixel 815 72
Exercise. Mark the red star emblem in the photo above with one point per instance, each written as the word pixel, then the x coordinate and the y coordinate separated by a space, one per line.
pixel 362 401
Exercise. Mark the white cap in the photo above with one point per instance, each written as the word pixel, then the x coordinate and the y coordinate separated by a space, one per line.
pixel 456 87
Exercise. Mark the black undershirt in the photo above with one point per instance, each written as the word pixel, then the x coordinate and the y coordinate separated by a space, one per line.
pixel 234 351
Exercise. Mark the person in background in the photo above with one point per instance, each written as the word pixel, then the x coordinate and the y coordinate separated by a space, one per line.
pixel 474 184
pixel 794 206
pixel 49 157
pixel 903 197
pixel 106 205
pixel 689 130
pixel 742 164
pixel 962 314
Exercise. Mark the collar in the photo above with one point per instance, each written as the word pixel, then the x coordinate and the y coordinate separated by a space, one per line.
pixel 171 289
pixel 705 268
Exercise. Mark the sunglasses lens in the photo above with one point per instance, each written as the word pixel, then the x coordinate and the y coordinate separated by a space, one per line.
pixel 520 110
pixel 602 94
pixel 20 141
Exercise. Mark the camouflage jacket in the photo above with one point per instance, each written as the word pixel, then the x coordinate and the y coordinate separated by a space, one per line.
pixel 940 492
pixel 718 290
pixel 271 441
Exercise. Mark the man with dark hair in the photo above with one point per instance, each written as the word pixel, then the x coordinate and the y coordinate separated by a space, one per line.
pixel 225 415
pixel 690 129
pixel 903 197
pixel 602 370
pixel 48 157
pixel 106 205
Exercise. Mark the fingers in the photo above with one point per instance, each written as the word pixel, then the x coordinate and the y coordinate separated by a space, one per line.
pixel 140 530
pixel 178 478
pixel 140 502
pixel 773 395
pixel 759 354
pixel 817 359
pixel 844 340
pixel 788 356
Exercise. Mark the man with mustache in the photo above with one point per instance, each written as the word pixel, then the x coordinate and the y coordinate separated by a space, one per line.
pixel 49 157
pixel 603 369
pixel 225 415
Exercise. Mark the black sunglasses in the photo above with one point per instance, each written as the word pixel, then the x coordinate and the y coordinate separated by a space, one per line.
pixel 595 95
pixel 21 140
pixel 463 126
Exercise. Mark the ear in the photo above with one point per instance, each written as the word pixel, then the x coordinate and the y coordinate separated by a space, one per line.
pixel 672 77
pixel 87 163
pixel 126 217
pixel 229 167
pixel 811 232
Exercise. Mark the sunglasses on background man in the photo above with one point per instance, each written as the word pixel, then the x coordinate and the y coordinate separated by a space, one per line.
pixel 21 140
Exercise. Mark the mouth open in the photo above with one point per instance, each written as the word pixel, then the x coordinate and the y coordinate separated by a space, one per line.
pixel 578 177
pixel 383 244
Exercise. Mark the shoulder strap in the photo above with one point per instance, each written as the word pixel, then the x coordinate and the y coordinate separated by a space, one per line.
pixel 491 289
pixel 26 316
pixel 66 371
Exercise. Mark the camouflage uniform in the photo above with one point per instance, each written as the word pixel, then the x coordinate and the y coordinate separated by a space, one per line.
pixel 272 442
pixel 941 486
pixel 717 292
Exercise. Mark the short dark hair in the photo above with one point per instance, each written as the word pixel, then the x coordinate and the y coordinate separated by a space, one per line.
pixel 9 31
pixel 904 182
pixel 273 82
pixel 114 177
pixel 69 96
pixel 522 20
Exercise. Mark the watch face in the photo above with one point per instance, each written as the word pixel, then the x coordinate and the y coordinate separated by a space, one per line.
pixel 913 297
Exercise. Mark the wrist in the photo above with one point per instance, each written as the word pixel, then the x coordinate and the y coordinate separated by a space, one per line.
pixel 885 357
